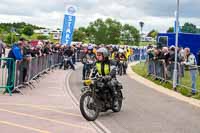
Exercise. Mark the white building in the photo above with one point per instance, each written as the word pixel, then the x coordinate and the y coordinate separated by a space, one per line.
pixel 46 32
pixel 145 38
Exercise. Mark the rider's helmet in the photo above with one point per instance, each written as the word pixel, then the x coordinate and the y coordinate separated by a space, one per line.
pixel 103 51
pixel 102 54
pixel 90 47
pixel 121 51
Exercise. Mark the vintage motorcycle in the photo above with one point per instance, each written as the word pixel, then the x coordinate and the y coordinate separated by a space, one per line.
pixel 122 67
pixel 97 97
pixel 67 62
pixel 90 65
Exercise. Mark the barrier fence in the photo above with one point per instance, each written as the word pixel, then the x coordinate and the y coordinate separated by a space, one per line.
pixel 139 54
pixel 20 73
pixel 187 76
pixel 7 72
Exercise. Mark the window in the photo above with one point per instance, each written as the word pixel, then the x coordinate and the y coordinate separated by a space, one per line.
pixel 163 41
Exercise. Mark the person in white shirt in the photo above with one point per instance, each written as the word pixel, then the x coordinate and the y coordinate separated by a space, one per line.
pixel 192 64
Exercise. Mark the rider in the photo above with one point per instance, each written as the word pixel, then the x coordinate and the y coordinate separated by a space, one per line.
pixel 103 67
pixel 121 56
pixel 69 53
pixel 90 56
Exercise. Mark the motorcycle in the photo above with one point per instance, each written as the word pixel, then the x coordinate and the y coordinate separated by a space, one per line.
pixel 67 62
pixel 90 66
pixel 97 97
pixel 122 67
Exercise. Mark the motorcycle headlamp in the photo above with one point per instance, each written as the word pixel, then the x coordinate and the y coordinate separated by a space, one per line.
pixel 87 82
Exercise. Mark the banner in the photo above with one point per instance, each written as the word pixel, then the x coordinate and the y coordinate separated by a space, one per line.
pixel 68 25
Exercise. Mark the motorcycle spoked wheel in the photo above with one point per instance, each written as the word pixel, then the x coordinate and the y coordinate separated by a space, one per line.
pixel 88 107
pixel 117 104
pixel 120 70
pixel 66 65
pixel 88 74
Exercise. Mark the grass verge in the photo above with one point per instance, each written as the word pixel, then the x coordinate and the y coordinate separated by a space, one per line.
pixel 141 69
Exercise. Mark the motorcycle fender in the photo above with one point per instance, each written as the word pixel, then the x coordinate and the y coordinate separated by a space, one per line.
pixel 119 86
pixel 85 90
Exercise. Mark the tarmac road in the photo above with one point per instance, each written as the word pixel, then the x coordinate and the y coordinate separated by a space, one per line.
pixel 145 110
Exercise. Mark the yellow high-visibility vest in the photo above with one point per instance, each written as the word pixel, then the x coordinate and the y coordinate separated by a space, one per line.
pixel 103 70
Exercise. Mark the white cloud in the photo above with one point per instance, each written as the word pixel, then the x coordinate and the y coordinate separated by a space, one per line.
pixel 156 14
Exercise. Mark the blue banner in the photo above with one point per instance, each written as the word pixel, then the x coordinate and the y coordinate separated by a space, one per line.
pixel 68 29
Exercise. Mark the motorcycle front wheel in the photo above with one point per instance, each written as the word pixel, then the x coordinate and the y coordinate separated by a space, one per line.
pixel 120 70
pixel 88 107
pixel 117 103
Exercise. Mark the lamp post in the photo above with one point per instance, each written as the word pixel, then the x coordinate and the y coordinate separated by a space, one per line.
pixel 176 50
pixel 12 30
pixel 141 26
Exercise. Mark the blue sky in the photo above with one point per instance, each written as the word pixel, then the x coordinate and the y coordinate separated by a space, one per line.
pixel 156 14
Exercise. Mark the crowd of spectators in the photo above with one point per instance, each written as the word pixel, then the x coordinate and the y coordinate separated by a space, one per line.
pixel 24 52
pixel 161 63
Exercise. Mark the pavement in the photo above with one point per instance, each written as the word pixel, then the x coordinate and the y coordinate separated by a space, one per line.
pixel 47 108
pixel 146 110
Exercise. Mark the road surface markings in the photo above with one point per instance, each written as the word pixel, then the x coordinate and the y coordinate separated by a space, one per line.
pixel 98 126
pixel 24 127
pixel 43 108
pixel 46 119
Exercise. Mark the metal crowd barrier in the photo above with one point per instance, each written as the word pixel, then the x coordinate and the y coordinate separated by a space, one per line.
pixel 139 54
pixel 7 72
pixel 158 69
pixel 30 69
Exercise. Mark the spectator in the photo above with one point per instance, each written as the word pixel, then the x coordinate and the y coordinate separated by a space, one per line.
pixel 47 49
pixel 150 52
pixel 172 54
pixel 16 54
pixel 165 60
pixel 181 57
pixel 171 61
pixel 78 52
pixel 191 63
pixel 199 61
pixel 74 54
pixel 25 65
pixel 2 50
pixel 165 55
pixel 158 63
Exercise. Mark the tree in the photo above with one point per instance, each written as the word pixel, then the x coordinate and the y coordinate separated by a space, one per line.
pixel 97 32
pixel 107 32
pixel 28 30
pixel 113 31
pixel 10 39
pixel 171 29
pixel 130 35
pixel 189 28
pixel 152 33
pixel 79 35
pixel 42 37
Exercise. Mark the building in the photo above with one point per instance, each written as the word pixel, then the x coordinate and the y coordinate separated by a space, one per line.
pixel 56 34
pixel 145 38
